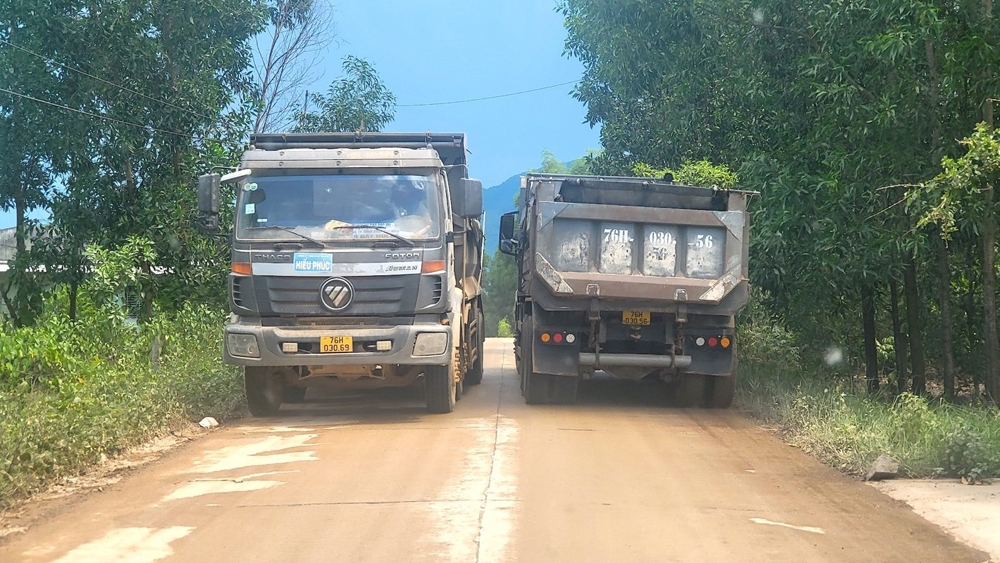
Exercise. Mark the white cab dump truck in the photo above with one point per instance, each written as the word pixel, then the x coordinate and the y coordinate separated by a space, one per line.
pixel 356 262
pixel 633 276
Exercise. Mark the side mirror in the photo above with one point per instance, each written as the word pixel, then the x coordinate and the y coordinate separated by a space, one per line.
pixel 467 199
pixel 209 194
pixel 507 243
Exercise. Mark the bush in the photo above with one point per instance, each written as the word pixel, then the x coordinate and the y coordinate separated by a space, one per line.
pixel 71 391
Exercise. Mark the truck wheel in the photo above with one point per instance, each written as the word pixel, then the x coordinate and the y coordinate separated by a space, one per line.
pixel 723 388
pixel 690 391
pixel 440 387
pixel 534 386
pixel 264 390
pixel 293 394
pixel 475 374
pixel 563 389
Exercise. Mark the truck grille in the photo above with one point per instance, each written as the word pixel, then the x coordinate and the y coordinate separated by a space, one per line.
pixel 382 295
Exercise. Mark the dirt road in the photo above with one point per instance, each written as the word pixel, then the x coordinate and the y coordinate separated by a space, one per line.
pixel 371 477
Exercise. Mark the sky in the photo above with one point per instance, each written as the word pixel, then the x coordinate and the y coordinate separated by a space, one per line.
pixel 445 50
pixel 433 51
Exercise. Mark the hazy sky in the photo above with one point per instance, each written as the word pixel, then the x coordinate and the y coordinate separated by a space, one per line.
pixel 430 51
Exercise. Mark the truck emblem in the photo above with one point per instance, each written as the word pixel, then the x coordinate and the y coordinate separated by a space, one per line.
pixel 336 294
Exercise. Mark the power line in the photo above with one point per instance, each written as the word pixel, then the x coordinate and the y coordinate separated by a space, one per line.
pixel 488 97
pixel 108 82
pixel 91 114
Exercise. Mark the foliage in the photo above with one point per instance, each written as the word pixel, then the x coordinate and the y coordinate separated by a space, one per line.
pixel 76 390
pixel 358 101
pixel 848 430
pixel 552 165
pixel 692 173
pixel 954 198
pixel 504 329
pixel 499 291
pixel 145 94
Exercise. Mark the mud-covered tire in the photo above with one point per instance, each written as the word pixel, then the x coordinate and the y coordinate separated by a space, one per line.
pixel 291 394
pixel 440 387
pixel 722 390
pixel 475 374
pixel 264 390
pixel 563 389
pixel 690 391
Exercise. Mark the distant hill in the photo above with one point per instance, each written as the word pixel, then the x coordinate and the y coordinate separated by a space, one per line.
pixel 498 200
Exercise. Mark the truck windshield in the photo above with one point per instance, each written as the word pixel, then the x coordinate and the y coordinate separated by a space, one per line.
pixel 339 207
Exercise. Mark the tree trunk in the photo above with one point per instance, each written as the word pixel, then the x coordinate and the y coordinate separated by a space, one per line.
pixel 913 322
pixel 898 338
pixel 971 322
pixel 74 287
pixel 989 237
pixel 944 279
pixel 871 352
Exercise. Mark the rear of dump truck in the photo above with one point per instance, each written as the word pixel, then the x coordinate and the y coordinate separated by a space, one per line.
pixel 636 277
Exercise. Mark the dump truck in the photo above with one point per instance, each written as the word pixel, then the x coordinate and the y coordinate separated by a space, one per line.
pixel 356 262
pixel 636 277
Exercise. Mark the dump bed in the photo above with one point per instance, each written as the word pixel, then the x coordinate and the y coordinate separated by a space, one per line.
pixel 636 240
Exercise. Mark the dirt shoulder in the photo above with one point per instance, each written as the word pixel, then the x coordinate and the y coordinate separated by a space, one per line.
pixel 970 513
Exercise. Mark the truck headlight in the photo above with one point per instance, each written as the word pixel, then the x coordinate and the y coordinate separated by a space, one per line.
pixel 430 344
pixel 244 345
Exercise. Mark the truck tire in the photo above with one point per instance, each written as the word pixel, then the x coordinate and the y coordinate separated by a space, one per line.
pixel 440 387
pixel 563 389
pixel 475 374
pixel 264 390
pixel 721 395
pixel 690 390
pixel 291 394
pixel 534 386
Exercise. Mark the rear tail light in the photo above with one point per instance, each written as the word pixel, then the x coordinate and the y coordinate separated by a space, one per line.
pixel 713 341
pixel 561 337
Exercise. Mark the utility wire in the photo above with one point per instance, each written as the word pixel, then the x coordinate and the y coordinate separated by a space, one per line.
pixel 488 97
pixel 91 114
pixel 108 82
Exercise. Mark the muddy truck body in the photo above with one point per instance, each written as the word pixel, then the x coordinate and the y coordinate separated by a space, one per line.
pixel 636 277
pixel 356 262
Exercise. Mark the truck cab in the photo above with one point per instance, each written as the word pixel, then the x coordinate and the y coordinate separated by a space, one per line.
pixel 356 262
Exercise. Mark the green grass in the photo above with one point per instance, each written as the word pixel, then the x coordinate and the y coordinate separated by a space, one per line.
pixel 849 430
pixel 70 392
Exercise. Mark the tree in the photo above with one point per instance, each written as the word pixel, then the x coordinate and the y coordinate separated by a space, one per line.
pixel 285 60
pixel 358 101
pixel 124 101
pixel 818 106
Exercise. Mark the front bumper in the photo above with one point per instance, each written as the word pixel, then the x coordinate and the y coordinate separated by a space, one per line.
pixel 270 339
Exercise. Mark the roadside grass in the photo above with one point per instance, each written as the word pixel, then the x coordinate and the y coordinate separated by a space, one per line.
pixel 72 392
pixel 850 429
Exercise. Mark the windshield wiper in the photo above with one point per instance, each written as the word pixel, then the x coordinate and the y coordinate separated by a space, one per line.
pixel 293 231
pixel 402 239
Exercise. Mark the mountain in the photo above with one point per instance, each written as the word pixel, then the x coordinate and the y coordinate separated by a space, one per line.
pixel 498 200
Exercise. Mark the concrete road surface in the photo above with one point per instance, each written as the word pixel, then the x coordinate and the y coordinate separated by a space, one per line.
pixel 370 476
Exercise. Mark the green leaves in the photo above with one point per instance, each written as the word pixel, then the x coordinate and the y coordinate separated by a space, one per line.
pixel 358 101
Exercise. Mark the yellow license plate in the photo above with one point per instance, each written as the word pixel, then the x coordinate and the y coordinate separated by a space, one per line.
pixel 635 318
pixel 336 344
